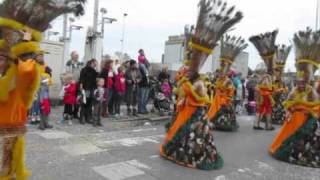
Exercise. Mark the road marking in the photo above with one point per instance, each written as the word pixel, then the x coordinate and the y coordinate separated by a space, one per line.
pixel 53 134
pixel 137 164
pixel 263 165
pixel 81 149
pixel 131 142
pixel 221 177
pixel 143 130
pixel 121 170
pixel 154 156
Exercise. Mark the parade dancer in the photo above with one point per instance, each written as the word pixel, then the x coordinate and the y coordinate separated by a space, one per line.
pixel 189 140
pixel 280 90
pixel 298 141
pixel 22 23
pixel 265 44
pixel 222 112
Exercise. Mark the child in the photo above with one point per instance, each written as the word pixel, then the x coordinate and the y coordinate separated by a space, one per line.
pixel 69 97
pixel 43 94
pixel 143 63
pixel 166 88
pixel 98 100
pixel 34 112
pixel 120 87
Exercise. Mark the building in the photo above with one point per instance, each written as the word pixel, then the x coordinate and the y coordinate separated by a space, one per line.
pixel 55 61
pixel 174 57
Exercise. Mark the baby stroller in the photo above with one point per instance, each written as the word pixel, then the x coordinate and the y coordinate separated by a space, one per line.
pixel 160 102
pixel 251 107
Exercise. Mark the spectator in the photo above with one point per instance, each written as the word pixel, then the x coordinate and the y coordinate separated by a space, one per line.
pixel 133 77
pixel 88 78
pixel 164 74
pixel 143 93
pixel 43 94
pixel 99 95
pixel 108 75
pixel 74 67
pixel 143 63
pixel 116 66
pixel 120 87
pixel 166 88
pixel 69 97
pixel 238 93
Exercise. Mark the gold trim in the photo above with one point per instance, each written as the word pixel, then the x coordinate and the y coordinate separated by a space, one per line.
pixel 200 48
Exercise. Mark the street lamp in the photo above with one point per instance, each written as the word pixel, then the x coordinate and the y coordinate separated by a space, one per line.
pixel 54 33
pixel 317 15
pixel 73 27
pixel 105 20
pixel 123 33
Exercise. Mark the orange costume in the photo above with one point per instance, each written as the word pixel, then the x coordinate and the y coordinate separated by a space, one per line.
pixel 191 125
pixel 221 111
pixel 299 129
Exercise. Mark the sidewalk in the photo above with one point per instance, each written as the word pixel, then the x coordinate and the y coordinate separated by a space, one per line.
pixel 155 116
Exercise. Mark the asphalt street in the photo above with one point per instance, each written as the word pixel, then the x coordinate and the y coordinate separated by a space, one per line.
pixel 128 150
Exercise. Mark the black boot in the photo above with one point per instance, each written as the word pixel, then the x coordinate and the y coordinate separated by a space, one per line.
pixel 82 118
pixel 134 112
pixel 99 122
pixel 128 111
pixel 42 125
pixel 46 123
pixel 95 122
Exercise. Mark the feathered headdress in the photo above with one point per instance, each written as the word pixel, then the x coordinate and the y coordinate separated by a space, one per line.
pixel 231 47
pixel 281 56
pixel 214 19
pixel 25 20
pixel 265 44
pixel 307 50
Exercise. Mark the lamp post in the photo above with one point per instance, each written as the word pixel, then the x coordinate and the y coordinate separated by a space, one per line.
pixel 105 20
pixel 54 33
pixel 317 15
pixel 123 34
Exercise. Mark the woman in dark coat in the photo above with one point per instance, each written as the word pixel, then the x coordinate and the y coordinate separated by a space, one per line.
pixel 88 78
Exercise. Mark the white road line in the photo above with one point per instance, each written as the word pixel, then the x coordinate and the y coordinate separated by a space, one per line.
pixel 81 149
pixel 131 142
pixel 154 156
pixel 221 177
pixel 121 170
pixel 53 134
pixel 143 130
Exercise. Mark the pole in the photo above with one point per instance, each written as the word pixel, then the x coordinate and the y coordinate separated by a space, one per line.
pixel 95 28
pixel 65 41
pixel 317 15
pixel 96 16
pixel 123 35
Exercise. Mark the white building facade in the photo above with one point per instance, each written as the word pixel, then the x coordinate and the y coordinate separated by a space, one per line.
pixel 174 57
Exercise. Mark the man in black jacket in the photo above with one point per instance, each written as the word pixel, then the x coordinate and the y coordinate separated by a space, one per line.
pixel 143 93
pixel 88 76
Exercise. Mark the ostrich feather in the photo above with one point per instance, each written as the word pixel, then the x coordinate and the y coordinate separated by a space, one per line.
pixel 232 46
pixel 265 44
pixel 38 14
pixel 214 19
pixel 307 47
pixel 282 54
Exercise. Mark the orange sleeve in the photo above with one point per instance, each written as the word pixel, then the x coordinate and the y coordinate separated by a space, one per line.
pixel 28 80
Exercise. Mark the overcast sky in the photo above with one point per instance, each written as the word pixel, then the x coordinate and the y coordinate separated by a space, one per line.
pixel 150 22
